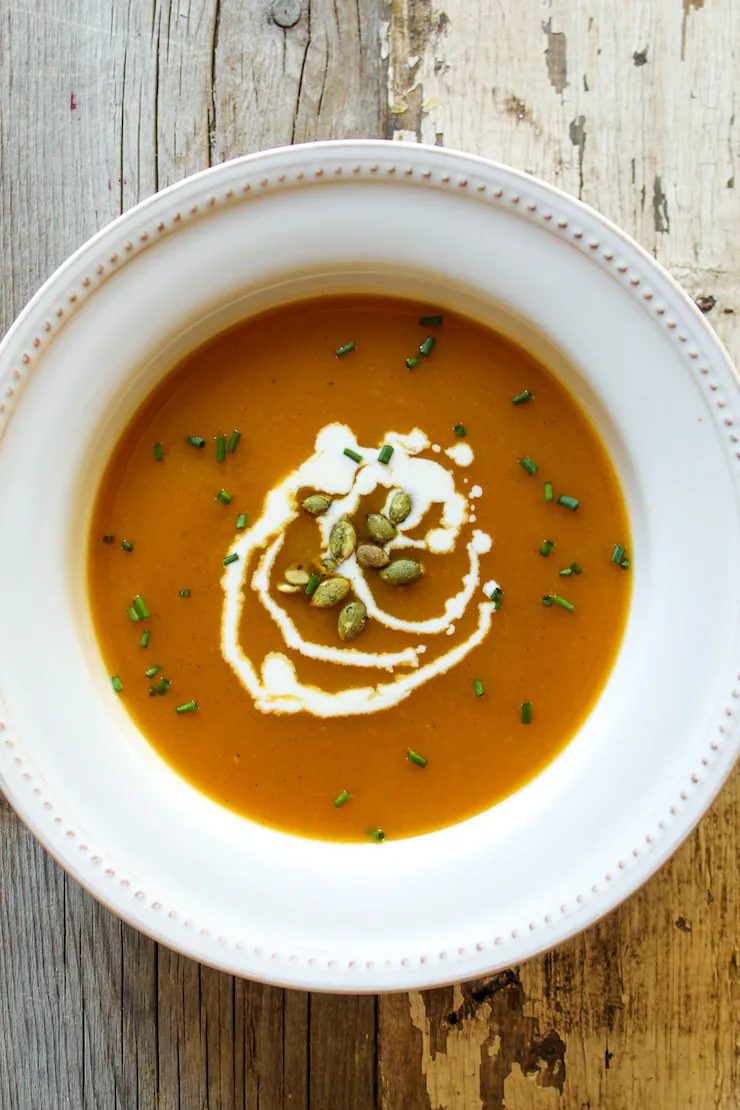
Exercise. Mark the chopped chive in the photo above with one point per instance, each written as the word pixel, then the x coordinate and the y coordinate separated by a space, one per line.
pixel 144 641
pixel 127 545
pixel 497 597
pixel 188 707
pixel 564 604
pixel 343 797
pixel 618 553
pixel 117 684
pixel 232 558
pixel 163 686
pixel 522 398
pixel 419 760
pixel 427 346
pixel 152 692
pixel 152 671
pixel 158 452
pixel 547 599
pixel 412 363
pixel 224 497
pixel 527 713
pixel 108 538
pixel 352 455
pixel 571 503
pixel 133 613
pixel 234 440
pixel 527 464
pixel 576 569
pixel 312 585
pixel 566 573
pixel 385 453
pixel 460 431
pixel 344 350
pixel 547 547
pixel 184 593
pixel 430 321
pixel 220 448
pixel 241 521
pixel 479 688
pixel 141 607
pixel 378 834
pixel 625 564
pixel 195 441
pixel 548 491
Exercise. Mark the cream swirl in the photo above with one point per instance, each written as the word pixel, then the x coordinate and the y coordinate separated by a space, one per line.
pixel 274 686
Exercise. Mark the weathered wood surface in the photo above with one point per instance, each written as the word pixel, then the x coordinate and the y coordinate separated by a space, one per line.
pixel 632 107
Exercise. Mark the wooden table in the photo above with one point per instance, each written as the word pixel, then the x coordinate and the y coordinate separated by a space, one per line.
pixel 629 105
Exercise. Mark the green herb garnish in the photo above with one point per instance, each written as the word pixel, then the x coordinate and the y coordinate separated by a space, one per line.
pixel 224 497
pixel 241 521
pixel 527 713
pixel 163 685
pixel 479 688
pixel 158 452
pixel 195 441
pixel 547 547
pixel 220 448
pixel 385 453
pixel 232 558
pixel 132 612
pixel 497 597
pixel 188 707
pixel 618 553
pixel 412 363
pixel 527 464
pixel 352 455
pixel 427 346
pixel 563 603
pixel 344 350
pixel 419 760
pixel 343 797
pixel 152 671
pixel 234 441
pixel 430 321
pixel 141 607
pixel 108 538
pixel 460 431
pixel 117 684
pixel 548 491
pixel 378 834
pixel 144 641
pixel 571 503
pixel 522 398
pixel 312 585
pixel 184 593
pixel 127 545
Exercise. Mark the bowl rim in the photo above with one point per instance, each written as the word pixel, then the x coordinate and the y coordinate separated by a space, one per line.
pixel 692 803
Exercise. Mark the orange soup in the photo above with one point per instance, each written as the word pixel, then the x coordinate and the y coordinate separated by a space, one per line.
pixel 359 570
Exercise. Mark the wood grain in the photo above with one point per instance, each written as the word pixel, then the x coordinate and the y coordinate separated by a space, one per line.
pixel 630 106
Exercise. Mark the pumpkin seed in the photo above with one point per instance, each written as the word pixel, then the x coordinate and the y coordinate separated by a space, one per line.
pixel 370 555
pixel 326 565
pixel 342 540
pixel 286 588
pixel 330 592
pixel 402 571
pixel 379 527
pixel 400 507
pixel 297 575
pixel 351 620
pixel 316 504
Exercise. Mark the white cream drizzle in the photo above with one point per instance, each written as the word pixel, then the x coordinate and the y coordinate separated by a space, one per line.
pixel 276 687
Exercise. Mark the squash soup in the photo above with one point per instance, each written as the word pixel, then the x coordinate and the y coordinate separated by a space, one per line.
pixel 359 571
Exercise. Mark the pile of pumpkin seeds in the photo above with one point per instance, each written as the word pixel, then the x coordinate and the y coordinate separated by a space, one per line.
pixel 333 589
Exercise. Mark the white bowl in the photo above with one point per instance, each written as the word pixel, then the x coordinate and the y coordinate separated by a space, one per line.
pixel 502 247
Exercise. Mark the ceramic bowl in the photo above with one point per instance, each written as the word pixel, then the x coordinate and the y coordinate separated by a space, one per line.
pixel 504 248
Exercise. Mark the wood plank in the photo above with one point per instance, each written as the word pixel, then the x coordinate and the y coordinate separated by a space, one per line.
pixel 103 104
pixel 343 1052
pixel 630 108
